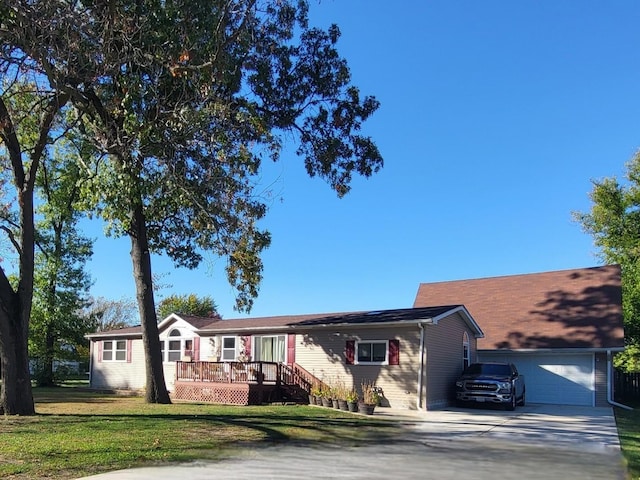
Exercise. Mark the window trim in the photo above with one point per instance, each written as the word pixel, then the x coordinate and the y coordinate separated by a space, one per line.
pixel 356 360
pixel 466 351
pixel 257 345
pixel 114 351
pixel 223 349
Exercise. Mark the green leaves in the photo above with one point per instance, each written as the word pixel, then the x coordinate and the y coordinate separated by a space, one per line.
pixel 614 223
pixel 177 103
pixel 187 305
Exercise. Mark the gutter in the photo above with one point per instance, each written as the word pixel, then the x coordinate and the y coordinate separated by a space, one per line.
pixel 609 382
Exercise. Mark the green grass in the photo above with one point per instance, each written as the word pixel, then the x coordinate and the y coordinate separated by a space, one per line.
pixel 628 422
pixel 78 433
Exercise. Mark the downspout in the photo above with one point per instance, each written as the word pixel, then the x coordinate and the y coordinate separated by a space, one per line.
pixel 421 366
pixel 91 348
pixel 609 383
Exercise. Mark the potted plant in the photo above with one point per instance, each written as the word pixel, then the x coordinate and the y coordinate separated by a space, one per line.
pixel 325 395
pixel 314 395
pixel 340 396
pixel 370 398
pixel 352 400
pixel 334 398
pixel 342 399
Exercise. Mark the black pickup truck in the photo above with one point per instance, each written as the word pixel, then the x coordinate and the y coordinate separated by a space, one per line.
pixel 491 383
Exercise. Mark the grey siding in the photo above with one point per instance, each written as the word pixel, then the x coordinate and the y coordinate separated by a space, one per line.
pixel 444 352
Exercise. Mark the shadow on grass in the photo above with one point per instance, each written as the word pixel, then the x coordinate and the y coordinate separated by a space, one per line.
pixel 273 429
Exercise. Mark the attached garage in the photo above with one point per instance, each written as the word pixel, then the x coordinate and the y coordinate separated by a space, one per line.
pixel 553 378
pixel 559 328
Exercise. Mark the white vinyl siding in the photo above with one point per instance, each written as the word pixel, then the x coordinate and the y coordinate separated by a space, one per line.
pixel 121 375
pixel 323 355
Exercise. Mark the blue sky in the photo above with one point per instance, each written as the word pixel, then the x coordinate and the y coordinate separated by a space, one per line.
pixel 495 117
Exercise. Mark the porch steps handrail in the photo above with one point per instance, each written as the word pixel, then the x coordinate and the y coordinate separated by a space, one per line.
pixel 247 372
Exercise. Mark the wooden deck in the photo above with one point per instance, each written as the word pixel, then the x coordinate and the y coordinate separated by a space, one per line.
pixel 240 383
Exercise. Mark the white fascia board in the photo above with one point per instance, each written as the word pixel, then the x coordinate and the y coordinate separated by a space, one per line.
pixel 94 336
pixel 503 351
pixel 466 315
pixel 169 320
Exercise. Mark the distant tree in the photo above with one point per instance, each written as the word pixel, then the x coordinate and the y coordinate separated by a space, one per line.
pixel 614 223
pixel 180 102
pixel 103 315
pixel 61 281
pixel 188 305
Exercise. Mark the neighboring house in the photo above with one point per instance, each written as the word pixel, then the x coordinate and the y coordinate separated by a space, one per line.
pixel 413 355
pixel 559 328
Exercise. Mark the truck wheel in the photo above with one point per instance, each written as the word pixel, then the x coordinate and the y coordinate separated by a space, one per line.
pixel 522 400
pixel 511 406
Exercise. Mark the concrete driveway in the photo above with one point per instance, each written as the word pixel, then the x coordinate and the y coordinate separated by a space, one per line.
pixel 565 427
pixel 534 442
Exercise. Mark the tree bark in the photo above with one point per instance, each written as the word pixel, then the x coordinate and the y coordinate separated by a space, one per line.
pixel 156 389
pixel 16 396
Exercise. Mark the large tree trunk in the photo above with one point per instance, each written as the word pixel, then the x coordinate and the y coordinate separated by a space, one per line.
pixel 16 396
pixel 156 388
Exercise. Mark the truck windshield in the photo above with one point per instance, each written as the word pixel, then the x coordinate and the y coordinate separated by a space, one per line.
pixel 488 369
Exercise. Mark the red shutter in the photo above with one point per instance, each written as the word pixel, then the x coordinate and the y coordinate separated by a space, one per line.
pixel 247 345
pixel 100 342
pixel 291 348
pixel 129 344
pixel 394 352
pixel 196 349
pixel 350 351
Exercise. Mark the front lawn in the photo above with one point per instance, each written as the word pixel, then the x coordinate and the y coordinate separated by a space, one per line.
pixel 78 433
pixel 628 422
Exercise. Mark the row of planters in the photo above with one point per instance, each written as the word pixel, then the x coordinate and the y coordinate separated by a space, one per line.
pixel 340 397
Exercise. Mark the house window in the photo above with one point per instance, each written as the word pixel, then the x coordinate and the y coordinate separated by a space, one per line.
pixel 270 348
pixel 188 349
pixel 372 352
pixel 228 349
pixel 114 350
pixel 466 359
pixel 174 344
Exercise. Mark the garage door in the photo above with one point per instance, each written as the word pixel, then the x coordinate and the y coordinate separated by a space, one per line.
pixel 556 379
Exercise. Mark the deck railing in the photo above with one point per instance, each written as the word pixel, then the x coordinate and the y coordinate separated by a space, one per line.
pixel 228 372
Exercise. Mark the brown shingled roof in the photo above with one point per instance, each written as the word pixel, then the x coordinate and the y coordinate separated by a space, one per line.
pixel 579 308
pixel 305 322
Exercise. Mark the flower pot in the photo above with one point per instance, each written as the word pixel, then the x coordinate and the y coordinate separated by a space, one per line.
pixel 335 403
pixel 352 406
pixel 366 408
pixel 326 402
pixel 342 404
